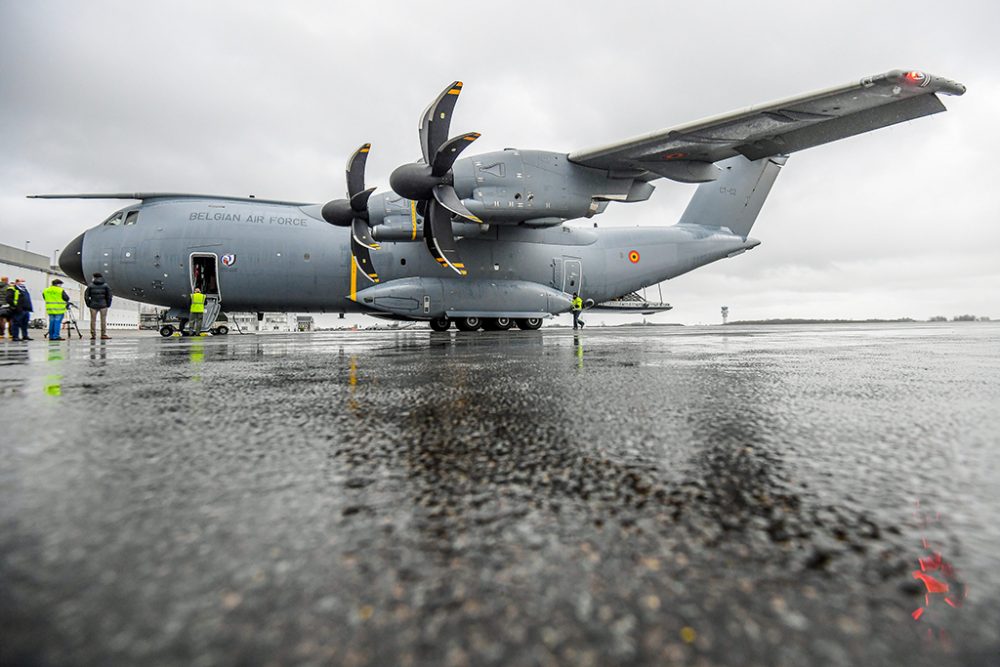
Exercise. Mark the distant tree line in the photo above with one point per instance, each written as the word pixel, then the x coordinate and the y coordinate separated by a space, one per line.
pixel 799 320
pixel 960 318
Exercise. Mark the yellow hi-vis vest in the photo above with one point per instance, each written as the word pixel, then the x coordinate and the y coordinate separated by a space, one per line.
pixel 577 304
pixel 197 303
pixel 54 303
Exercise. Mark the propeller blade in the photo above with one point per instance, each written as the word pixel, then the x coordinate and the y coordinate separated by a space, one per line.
pixel 448 198
pixel 429 238
pixel 441 239
pixel 436 121
pixel 356 170
pixel 359 202
pixel 361 233
pixel 362 254
pixel 344 212
pixel 449 152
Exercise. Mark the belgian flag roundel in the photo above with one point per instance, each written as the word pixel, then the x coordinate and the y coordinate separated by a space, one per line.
pixel 633 256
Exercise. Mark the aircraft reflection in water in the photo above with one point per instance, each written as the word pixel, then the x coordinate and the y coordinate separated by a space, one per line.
pixel 481 241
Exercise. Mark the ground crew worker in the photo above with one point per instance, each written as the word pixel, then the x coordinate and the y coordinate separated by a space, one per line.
pixel 19 302
pixel 5 314
pixel 197 311
pixel 55 306
pixel 577 308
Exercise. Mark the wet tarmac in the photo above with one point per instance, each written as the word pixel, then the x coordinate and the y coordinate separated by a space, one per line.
pixel 702 496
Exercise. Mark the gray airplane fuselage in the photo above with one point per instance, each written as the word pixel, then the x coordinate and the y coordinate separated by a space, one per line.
pixel 276 256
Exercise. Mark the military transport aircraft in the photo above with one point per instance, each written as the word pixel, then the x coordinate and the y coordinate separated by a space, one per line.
pixel 481 241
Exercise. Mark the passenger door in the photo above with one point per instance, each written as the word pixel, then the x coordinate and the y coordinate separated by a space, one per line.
pixel 572 274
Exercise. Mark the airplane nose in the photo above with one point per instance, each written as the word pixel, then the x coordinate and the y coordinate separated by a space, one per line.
pixel 71 260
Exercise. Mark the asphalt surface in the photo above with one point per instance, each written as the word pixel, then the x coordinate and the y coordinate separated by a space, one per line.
pixel 702 496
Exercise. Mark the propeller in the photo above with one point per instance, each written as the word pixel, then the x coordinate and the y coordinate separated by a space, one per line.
pixel 431 182
pixel 353 212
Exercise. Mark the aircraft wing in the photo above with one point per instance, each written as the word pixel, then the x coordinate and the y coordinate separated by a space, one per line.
pixel 686 152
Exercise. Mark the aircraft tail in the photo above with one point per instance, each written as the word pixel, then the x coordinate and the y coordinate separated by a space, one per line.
pixel 736 197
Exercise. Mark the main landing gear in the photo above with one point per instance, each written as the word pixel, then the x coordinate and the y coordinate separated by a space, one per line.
pixel 487 323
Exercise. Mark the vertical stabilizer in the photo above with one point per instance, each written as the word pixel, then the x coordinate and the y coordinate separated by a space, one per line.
pixel 736 197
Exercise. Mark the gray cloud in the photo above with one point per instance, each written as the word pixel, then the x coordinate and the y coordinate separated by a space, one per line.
pixel 235 97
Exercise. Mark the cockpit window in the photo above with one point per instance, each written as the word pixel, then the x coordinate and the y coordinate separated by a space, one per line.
pixel 116 219
pixel 131 217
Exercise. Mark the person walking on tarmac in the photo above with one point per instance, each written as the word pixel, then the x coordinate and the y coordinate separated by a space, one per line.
pixel 19 302
pixel 197 311
pixel 5 312
pixel 577 308
pixel 55 306
pixel 98 298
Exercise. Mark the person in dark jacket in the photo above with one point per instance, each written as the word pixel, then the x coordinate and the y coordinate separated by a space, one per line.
pixel 19 302
pixel 98 299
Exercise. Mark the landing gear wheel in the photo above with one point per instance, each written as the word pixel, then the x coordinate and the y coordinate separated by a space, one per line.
pixel 221 330
pixel 528 323
pixel 440 324
pixel 167 331
pixel 498 323
pixel 468 323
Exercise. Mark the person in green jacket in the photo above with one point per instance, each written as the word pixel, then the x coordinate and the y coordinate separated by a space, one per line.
pixel 5 315
pixel 55 306
pixel 577 308
pixel 197 311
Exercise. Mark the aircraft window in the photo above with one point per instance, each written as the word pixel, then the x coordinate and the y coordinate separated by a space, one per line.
pixel 402 261
pixel 131 217
pixel 116 219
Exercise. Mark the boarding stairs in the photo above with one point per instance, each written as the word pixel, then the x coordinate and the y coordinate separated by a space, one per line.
pixel 634 302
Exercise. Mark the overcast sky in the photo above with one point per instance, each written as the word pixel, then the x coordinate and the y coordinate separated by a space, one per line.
pixel 266 98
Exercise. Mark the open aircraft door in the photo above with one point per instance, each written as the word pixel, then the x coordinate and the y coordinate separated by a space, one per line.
pixel 572 274
pixel 205 276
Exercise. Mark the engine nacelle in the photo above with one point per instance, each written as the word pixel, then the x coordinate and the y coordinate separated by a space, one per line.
pixel 513 186
pixel 400 230
pixel 388 206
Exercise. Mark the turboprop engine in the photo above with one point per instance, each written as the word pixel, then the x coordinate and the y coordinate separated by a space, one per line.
pixel 533 188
